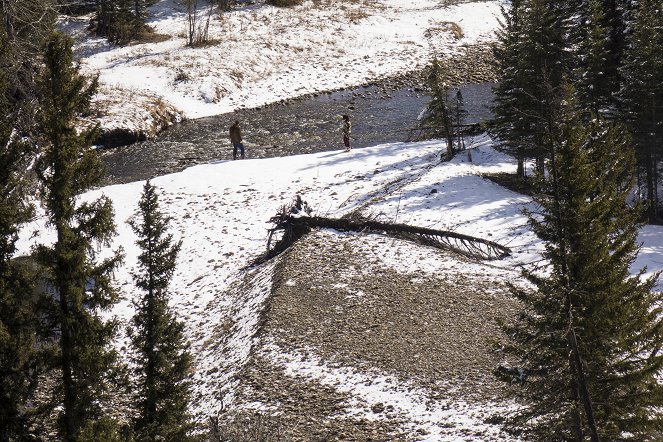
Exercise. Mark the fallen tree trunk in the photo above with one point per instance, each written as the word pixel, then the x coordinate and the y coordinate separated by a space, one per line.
pixel 296 222
pixel 464 244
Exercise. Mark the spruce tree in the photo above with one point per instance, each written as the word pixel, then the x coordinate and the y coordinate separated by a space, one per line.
pixel 162 362
pixel 531 53
pixel 506 125
pixel 81 283
pixel 616 22
pixel 595 85
pixel 120 20
pixel 439 112
pixel 641 97
pixel 22 340
pixel 600 46
pixel 586 345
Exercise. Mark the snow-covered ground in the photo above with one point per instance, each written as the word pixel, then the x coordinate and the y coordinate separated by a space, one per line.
pixel 220 212
pixel 262 54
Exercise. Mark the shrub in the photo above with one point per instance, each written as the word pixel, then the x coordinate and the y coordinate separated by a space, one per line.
pixel 284 3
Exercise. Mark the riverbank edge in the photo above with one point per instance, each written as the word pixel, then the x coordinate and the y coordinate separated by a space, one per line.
pixel 471 65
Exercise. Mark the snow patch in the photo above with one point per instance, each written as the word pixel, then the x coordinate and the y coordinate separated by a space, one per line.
pixel 372 393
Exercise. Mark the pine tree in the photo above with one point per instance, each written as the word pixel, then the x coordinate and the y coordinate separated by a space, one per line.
pixel 531 54
pixel 81 286
pixel 120 20
pixel 22 345
pixel 163 361
pixel 599 43
pixel 140 14
pixel 439 113
pixel 586 346
pixel 506 125
pixel 641 96
pixel 616 22
pixel 595 85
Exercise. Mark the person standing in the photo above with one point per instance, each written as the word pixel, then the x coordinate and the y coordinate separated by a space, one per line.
pixel 347 130
pixel 236 140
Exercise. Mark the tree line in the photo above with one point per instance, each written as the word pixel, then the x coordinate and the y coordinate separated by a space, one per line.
pixel 580 99
pixel 60 376
pixel 609 51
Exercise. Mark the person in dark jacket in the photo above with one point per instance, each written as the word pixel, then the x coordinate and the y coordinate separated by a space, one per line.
pixel 236 140
pixel 347 129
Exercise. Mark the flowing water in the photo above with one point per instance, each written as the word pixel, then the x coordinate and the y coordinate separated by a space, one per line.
pixel 301 126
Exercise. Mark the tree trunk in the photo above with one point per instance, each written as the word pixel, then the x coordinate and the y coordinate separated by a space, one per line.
pixel 520 171
pixel 649 170
pixel 295 227
pixel 69 402
pixel 582 382
pixel 573 343
pixel 575 396
pixel 654 160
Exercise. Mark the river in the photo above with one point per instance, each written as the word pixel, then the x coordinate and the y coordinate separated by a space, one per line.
pixel 304 125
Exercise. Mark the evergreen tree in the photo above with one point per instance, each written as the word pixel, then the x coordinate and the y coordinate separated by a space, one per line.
pixel 163 361
pixel 642 96
pixel 81 286
pixel 595 85
pixel 506 125
pixel 616 22
pixel 22 345
pixel 586 346
pixel 531 55
pixel 120 20
pixel 439 115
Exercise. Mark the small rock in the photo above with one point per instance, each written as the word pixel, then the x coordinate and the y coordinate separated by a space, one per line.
pixel 377 408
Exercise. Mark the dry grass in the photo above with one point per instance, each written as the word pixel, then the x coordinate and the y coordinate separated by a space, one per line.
pixel 285 3
pixel 201 43
pixel 181 76
pixel 357 10
pixel 162 114
pixel 445 27
pixel 357 14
